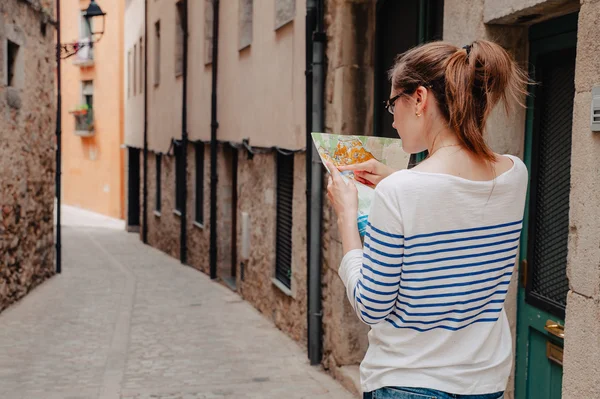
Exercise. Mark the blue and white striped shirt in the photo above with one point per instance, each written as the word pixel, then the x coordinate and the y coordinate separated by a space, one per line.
pixel 432 278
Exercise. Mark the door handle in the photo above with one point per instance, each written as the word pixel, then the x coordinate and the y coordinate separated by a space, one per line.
pixel 555 329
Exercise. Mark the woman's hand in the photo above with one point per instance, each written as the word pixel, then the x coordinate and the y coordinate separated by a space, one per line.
pixel 370 172
pixel 343 197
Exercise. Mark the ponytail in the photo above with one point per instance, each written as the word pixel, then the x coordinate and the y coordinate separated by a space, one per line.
pixel 467 83
pixel 476 80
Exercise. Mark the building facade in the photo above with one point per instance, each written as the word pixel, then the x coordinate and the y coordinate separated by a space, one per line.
pixel 230 150
pixel 93 111
pixel 27 127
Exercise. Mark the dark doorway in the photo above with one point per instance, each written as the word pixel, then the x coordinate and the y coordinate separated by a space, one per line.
pixel 133 189
pixel 228 218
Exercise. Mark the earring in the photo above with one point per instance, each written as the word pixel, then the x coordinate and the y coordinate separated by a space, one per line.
pixel 418 114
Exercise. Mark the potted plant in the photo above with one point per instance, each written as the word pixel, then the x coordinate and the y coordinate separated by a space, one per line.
pixel 80 110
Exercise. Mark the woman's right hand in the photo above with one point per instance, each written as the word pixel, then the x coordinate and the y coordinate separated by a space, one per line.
pixel 370 172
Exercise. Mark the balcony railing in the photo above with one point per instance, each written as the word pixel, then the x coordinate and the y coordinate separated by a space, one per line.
pixel 84 123
pixel 85 55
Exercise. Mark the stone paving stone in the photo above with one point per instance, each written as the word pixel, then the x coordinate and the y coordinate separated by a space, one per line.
pixel 126 321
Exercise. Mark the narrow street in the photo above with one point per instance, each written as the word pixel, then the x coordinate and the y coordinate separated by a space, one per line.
pixel 124 320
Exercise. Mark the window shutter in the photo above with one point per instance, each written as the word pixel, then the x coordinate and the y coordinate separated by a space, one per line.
pixel 285 194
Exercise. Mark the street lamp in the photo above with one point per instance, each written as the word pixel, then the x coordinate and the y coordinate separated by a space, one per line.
pixel 94 11
pixel 63 51
pixel 66 50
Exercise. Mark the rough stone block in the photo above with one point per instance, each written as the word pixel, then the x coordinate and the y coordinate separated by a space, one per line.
pixel 581 369
pixel 511 11
pixel 352 103
pixel 583 269
pixel 587 70
pixel 354 27
pixel 13 98
pixel 463 21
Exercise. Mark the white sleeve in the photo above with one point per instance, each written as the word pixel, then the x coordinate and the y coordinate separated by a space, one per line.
pixel 372 275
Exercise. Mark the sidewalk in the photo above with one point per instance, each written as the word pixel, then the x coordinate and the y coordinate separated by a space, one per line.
pixel 124 320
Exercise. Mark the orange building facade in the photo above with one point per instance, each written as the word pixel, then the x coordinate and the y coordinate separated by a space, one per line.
pixel 92 111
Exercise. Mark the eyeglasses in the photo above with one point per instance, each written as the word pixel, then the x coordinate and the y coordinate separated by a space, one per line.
pixel 389 104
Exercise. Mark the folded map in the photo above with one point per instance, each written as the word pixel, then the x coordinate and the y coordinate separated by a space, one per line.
pixel 343 150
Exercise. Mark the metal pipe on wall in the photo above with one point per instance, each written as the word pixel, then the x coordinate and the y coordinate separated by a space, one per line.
pixel 58 144
pixel 310 27
pixel 214 125
pixel 184 134
pixel 145 167
pixel 315 313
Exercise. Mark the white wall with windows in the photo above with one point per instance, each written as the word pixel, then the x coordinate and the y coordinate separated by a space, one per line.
pixel 133 71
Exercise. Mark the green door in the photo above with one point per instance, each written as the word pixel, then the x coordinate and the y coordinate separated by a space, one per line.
pixel 543 285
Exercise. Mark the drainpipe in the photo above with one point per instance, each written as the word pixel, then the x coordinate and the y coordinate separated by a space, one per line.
pixel 315 313
pixel 214 125
pixel 310 27
pixel 145 167
pixel 58 143
pixel 183 14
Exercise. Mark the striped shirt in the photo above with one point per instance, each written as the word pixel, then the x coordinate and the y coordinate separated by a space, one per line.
pixel 431 280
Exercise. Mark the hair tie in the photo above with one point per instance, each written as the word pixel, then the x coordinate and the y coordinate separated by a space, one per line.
pixel 468 49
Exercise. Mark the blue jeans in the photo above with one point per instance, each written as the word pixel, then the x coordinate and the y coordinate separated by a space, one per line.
pixel 422 393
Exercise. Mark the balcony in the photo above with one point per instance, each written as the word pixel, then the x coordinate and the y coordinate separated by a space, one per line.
pixel 85 55
pixel 84 122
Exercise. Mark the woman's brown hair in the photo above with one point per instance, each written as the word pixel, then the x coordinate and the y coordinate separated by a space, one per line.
pixel 467 83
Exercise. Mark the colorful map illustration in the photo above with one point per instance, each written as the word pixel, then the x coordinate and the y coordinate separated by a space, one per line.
pixel 343 150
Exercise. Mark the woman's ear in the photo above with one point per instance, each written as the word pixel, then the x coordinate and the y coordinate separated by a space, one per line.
pixel 421 95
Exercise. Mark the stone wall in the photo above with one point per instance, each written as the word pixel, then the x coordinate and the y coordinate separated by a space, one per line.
pixel 350 27
pixel 163 227
pixel 349 87
pixel 581 376
pixel 256 191
pixel 225 213
pixel 198 234
pixel 27 157
pixel 257 197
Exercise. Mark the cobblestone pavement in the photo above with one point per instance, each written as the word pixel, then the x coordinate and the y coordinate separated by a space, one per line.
pixel 126 321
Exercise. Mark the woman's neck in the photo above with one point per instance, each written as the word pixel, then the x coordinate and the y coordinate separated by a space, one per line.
pixel 441 136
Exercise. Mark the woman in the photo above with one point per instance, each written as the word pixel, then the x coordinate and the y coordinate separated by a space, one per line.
pixel 442 240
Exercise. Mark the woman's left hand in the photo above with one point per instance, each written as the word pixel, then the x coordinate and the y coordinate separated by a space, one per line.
pixel 343 196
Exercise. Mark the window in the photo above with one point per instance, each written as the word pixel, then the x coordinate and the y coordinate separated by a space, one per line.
pixel 11 57
pixel 129 74
pixel 142 67
pixel 245 31
pixel 158 186
pixel 283 241
pixel 85 122
pixel 179 36
pixel 86 53
pixel 87 93
pixel 157 53
pixel 85 27
pixel 135 69
pixel 208 31
pixel 199 149
pixel 179 177
pixel 285 10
